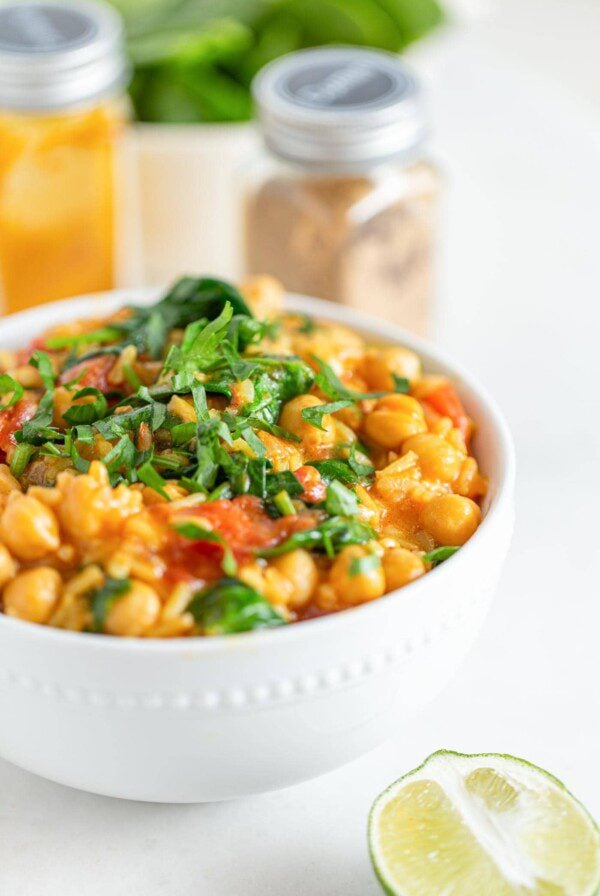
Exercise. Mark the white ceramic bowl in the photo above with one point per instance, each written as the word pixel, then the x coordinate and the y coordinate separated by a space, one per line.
pixel 209 719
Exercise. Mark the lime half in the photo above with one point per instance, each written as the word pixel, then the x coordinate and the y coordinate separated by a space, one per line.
pixel 486 825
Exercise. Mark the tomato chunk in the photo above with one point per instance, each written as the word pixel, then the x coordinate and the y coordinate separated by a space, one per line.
pixel 444 399
pixel 310 480
pixel 13 419
pixel 95 373
pixel 246 527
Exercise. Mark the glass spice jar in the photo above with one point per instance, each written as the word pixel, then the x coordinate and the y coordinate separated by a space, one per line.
pixel 62 112
pixel 342 205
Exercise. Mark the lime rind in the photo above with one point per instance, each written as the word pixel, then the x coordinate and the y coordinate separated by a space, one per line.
pixel 497 761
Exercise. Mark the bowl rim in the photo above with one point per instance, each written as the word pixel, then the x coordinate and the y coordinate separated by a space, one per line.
pixel 103 302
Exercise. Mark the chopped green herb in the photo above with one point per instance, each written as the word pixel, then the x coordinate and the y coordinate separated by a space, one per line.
pixel 314 415
pixel 334 469
pixel 283 503
pixel 87 412
pixel 361 565
pixel 284 481
pixel 149 476
pixel 20 459
pixel 340 501
pixel 94 337
pixel 131 376
pixel 308 325
pixel 103 598
pixel 41 361
pixel 330 536
pixel 401 384
pixel 9 386
pixel 230 606
pixel 363 470
pixel 438 555
pixel 329 383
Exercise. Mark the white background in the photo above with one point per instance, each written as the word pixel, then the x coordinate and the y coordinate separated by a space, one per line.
pixel 516 101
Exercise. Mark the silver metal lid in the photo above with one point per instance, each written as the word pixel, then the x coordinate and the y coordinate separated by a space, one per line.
pixel 57 54
pixel 343 107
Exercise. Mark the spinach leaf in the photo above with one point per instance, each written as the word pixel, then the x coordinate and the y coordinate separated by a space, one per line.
pixel 284 481
pixel 362 470
pixel 314 415
pixel 340 501
pixel 230 606
pixel 41 361
pixel 9 386
pixel 149 476
pixel 329 383
pixel 199 349
pixel 329 536
pixel 339 469
pixel 88 412
pixel 189 300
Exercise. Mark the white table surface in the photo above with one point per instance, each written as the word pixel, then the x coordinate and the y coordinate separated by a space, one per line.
pixel 520 305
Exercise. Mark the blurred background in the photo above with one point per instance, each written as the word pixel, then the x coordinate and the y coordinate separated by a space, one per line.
pixel 131 181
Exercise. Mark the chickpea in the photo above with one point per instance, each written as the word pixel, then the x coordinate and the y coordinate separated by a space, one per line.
pixel 301 570
pixel 28 527
pixel 33 594
pixel 283 455
pixel 394 419
pixel 438 460
pixel 82 508
pixel 8 566
pixel 379 365
pixel 401 566
pixel 8 483
pixel 134 613
pixel 312 438
pixel 451 519
pixel 351 585
pixel 264 294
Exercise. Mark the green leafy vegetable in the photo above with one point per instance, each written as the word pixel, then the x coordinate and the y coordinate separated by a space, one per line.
pixel 194 60
pixel 348 472
pixel 363 470
pixel 149 476
pixel 283 503
pixel 94 337
pixel 314 415
pixel 329 383
pixel 9 386
pixel 340 501
pixel 330 536
pixel 284 481
pixel 103 598
pixel 438 555
pixel 230 606
pixel 87 412
pixel 41 361
pixel 361 565
pixel 20 459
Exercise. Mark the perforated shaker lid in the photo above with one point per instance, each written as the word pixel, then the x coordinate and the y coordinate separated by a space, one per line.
pixel 57 54
pixel 340 106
